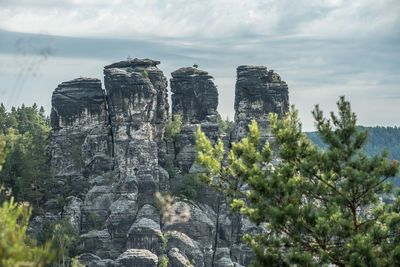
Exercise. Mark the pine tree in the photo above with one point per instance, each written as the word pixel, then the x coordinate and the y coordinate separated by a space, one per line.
pixel 25 170
pixel 316 206
pixel 16 248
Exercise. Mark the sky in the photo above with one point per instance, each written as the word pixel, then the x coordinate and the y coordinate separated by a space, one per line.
pixel 322 48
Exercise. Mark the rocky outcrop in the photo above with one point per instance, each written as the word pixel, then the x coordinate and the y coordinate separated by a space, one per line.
pixel 110 156
pixel 258 92
pixel 137 257
pixel 80 142
pixel 194 94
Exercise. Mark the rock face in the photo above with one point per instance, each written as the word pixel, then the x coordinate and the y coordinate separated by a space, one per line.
pixel 258 92
pixel 80 145
pixel 110 156
pixel 194 94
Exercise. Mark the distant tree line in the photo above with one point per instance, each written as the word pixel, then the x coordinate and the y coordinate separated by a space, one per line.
pixel 379 138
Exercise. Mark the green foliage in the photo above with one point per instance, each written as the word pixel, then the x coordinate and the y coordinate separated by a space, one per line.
pixel 2 153
pixel 172 128
pixel 379 138
pixel 276 78
pixel 195 66
pixel 169 167
pixel 16 248
pixel 75 262
pixel 318 207
pixel 163 262
pixel 192 185
pixel 77 157
pixel 109 178
pixel 66 240
pixel 94 221
pixel 165 243
pixel 225 126
pixel 60 202
pixel 25 131
pixel 146 74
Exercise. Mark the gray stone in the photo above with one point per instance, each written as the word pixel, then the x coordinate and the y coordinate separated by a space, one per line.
pixel 194 94
pixel 98 242
pixel 186 245
pixel 91 260
pixel 80 141
pixel 176 259
pixel 145 234
pixel 150 212
pixel 72 211
pixel 258 92
pixel 137 257
pixel 196 221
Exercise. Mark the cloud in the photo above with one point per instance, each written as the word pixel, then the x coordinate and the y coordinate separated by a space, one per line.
pixel 207 19
pixel 322 48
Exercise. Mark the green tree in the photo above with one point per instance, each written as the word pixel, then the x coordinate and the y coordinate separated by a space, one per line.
pixel 225 126
pixel 26 131
pixel 66 240
pixel 16 248
pixel 172 128
pixel 316 206
pixel 2 153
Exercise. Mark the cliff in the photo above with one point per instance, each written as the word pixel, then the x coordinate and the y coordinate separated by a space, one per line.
pixel 108 150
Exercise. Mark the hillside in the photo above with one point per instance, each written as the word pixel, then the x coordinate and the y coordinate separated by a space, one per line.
pixel 378 139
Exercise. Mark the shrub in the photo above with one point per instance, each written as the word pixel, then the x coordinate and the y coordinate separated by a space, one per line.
pixel 169 167
pixel 192 185
pixel 172 128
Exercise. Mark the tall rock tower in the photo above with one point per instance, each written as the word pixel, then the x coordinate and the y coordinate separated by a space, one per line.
pixel 195 99
pixel 258 92
pixel 194 95
pixel 80 141
pixel 109 153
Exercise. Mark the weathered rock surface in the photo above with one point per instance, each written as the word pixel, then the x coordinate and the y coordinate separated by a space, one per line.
pixel 137 257
pixel 108 150
pixel 137 96
pixel 194 94
pixel 91 260
pixel 258 92
pixel 80 146
pixel 177 259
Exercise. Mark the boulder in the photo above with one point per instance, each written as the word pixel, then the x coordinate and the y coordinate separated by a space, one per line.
pixel 137 257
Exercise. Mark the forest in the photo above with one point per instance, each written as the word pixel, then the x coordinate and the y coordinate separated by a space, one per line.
pixel 379 138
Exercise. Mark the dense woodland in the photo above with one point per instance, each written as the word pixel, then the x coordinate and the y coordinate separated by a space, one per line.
pixel 26 171
pixel 25 184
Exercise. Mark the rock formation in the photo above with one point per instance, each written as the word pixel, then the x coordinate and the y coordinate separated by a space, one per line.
pixel 258 92
pixel 194 94
pixel 80 144
pixel 110 156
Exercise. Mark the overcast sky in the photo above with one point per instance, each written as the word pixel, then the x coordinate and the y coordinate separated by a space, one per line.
pixel 321 48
